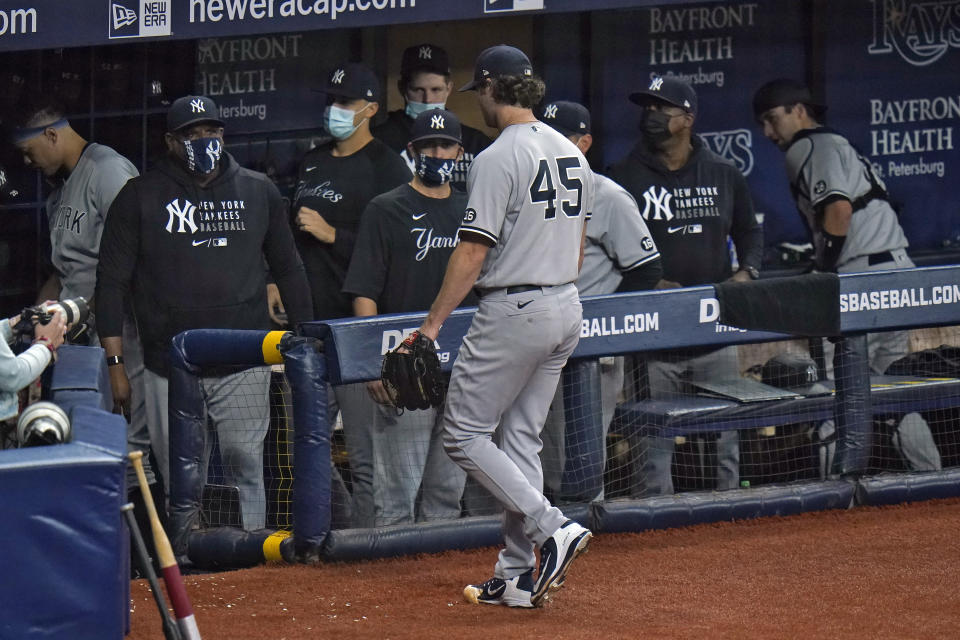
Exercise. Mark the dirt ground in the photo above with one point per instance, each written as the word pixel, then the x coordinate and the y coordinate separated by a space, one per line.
pixel 886 572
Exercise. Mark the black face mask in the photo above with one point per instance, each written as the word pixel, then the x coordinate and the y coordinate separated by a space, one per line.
pixel 655 126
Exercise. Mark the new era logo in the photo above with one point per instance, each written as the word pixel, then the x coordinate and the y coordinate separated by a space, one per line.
pixel 338 76
pixel 122 16
pixel 655 84
pixel 139 18
pixel 196 105
pixel 436 122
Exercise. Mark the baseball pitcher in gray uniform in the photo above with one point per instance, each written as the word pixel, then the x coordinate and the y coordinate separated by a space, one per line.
pixel 854 226
pixel 521 242
pixel 87 177
pixel 619 255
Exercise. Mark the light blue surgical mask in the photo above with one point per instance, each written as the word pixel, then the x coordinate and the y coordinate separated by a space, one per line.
pixel 416 108
pixel 339 122
pixel 203 154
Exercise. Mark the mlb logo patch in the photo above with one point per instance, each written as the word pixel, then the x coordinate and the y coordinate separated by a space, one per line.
pixel 497 6
pixel 139 18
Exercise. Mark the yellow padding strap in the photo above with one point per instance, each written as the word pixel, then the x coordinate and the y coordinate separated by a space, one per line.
pixel 271 347
pixel 271 546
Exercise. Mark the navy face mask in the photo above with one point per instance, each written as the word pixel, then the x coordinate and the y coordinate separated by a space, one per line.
pixel 435 171
pixel 203 155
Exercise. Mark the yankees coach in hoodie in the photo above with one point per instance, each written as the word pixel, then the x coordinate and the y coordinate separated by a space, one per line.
pixel 188 239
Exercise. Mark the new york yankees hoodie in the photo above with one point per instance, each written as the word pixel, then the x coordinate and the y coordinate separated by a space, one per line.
pixel 691 211
pixel 193 257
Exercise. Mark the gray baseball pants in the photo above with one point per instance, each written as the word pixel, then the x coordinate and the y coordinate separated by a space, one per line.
pixel 653 455
pixel 506 373
pixel 553 455
pixel 912 437
pixel 357 410
pixel 239 405
pixel 409 459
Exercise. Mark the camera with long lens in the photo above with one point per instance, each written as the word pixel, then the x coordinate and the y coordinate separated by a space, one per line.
pixel 74 310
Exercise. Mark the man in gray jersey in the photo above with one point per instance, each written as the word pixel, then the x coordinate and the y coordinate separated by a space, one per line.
pixel 521 243
pixel 86 177
pixel 619 255
pixel 854 227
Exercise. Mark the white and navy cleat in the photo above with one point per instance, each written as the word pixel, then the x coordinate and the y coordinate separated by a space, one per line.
pixel 556 555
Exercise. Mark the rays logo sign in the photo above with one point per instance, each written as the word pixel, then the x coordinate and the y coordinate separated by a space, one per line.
pixel 139 18
pixel 736 145
pixel 919 31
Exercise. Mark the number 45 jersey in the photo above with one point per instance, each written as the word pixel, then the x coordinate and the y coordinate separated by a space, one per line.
pixel 530 193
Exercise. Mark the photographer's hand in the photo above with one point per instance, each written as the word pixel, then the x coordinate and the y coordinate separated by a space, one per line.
pixel 52 332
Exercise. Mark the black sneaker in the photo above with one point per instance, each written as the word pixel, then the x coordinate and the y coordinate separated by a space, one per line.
pixel 556 555
pixel 513 592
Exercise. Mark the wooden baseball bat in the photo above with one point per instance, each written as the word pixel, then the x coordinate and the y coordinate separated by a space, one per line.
pixel 168 562
pixel 170 629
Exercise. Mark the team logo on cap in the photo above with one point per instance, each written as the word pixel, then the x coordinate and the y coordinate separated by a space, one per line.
pixel 337 77
pixel 655 85
pixel 550 111
pixel 196 105
pixel 426 53
pixel 436 122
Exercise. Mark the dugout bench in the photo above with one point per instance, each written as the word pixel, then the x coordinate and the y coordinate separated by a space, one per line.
pixel 702 414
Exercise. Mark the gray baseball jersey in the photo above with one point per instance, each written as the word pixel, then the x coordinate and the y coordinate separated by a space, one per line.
pixel 530 193
pixel 617 239
pixel 823 165
pixel 77 210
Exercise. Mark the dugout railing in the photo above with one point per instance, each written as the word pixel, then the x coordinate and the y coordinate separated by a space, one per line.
pixel 644 322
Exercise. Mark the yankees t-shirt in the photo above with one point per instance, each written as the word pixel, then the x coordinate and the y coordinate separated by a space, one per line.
pixel 339 188
pixel 530 193
pixel 691 211
pixel 617 240
pixel 396 132
pixel 823 166
pixel 403 246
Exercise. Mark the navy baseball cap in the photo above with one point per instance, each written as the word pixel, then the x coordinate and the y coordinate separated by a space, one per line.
pixel 567 117
pixel 355 81
pixel 190 110
pixel 436 123
pixel 501 60
pixel 668 89
pixel 781 93
pixel 424 57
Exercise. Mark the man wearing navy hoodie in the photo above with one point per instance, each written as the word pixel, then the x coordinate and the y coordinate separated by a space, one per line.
pixel 692 201
pixel 188 239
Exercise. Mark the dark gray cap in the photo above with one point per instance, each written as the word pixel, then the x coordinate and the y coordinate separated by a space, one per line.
pixel 501 60
pixel 783 92
pixel 669 89
pixel 190 110
pixel 355 81
pixel 436 123
pixel 567 117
